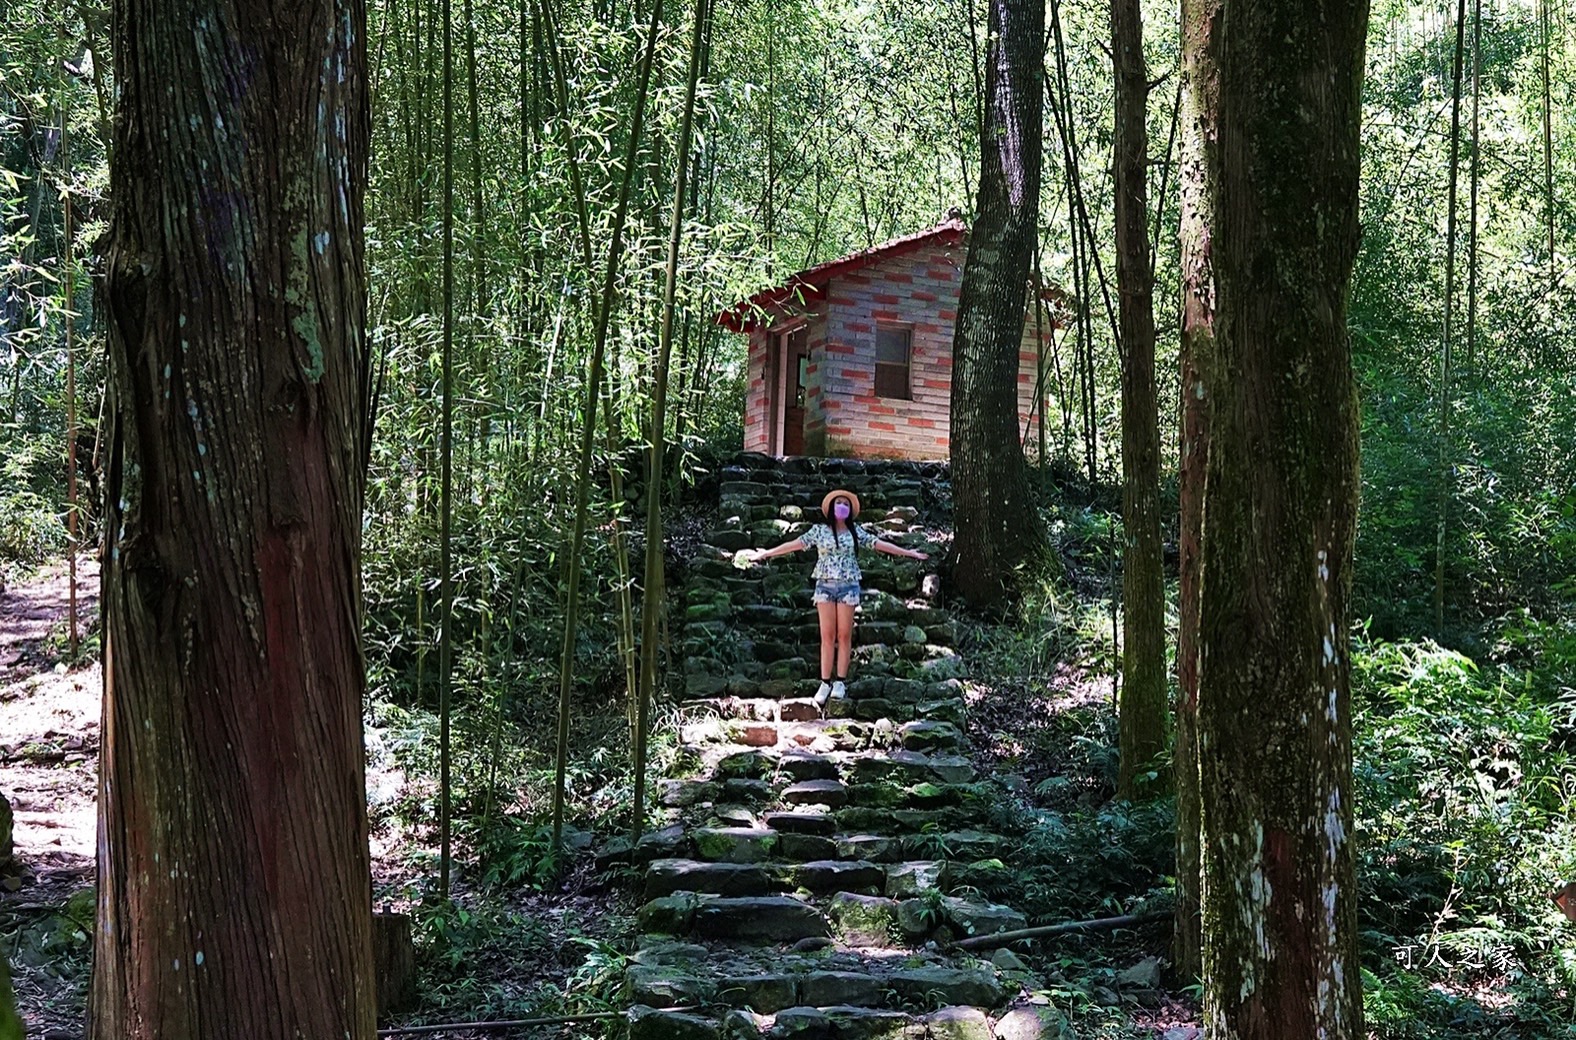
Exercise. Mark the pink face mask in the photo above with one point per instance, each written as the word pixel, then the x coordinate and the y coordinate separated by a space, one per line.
pixel 841 510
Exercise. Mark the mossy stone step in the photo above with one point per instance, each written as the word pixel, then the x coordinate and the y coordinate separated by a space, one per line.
pixel 912 766
pixel 929 823
pixel 929 735
pixel 801 765
pixel 735 844
pixel 801 823
pixel 830 793
pixel 840 875
pixel 667 876
pixel 760 919
pixel 841 1023
pixel 938 987
pixel 848 988
pixel 747 764
pixel 648 1023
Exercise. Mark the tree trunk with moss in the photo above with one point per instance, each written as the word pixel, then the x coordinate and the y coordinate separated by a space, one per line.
pixel 1279 208
pixel 1143 707
pixel 997 526
pixel 234 884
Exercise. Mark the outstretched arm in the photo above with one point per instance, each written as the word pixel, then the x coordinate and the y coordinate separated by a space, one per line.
pixel 893 549
pixel 791 546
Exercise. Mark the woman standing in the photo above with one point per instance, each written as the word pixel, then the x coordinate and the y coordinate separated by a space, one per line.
pixel 837 578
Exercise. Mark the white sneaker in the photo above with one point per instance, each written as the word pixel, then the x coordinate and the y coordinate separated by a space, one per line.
pixel 822 694
pixel 839 691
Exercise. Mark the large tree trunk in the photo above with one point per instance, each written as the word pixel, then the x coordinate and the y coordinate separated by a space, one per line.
pixel 1200 99
pixel 1143 707
pixel 997 525
pixel 1280 157
pixel 234 890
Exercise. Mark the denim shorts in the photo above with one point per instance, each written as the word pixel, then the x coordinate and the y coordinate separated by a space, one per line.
pixel 845 592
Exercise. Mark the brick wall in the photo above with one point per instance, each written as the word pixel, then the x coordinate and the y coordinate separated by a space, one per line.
pixel 844 417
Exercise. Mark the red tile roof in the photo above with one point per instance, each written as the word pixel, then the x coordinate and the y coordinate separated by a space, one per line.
pixel 811 283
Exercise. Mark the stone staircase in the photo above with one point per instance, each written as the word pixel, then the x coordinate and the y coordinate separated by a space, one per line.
pixel 813 872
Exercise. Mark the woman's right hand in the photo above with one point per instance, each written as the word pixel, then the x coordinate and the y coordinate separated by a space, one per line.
pixel 744 557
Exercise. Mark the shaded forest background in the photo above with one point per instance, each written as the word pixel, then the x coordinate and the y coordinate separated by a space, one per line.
pixel 825 128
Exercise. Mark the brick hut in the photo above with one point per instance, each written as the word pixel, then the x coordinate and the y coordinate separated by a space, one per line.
pixel 853 358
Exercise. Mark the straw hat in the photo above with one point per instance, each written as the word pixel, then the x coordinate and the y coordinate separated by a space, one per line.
pixel 835 493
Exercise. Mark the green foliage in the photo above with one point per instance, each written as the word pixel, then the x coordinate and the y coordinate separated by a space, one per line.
pixel 1465 786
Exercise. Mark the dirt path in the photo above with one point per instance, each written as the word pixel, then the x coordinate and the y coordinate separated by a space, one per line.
pixel 49 721
pixel 49 741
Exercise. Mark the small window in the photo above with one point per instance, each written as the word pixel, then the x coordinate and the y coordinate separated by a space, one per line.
pixel 892 354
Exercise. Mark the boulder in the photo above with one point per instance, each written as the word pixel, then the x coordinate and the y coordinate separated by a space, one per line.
pixel 927 735
pixel 680 794
pixel 864 920
pixel 958 1023
pixel 668 843
pixel 1005 960
pixel 1039 1022
pixel 1143 975
pixel 905 880
pixel 972 918
pixel 740 1024
pixel 801 1023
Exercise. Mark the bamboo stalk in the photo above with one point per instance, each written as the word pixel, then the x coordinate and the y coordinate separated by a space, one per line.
pixel 1099 924
pixel 446 464
pixel 587 439
pixel 652 605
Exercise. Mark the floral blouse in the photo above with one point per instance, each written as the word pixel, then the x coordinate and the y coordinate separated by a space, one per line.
pixel 837 562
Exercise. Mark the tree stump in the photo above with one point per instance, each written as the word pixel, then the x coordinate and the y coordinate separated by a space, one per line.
pixel 394 961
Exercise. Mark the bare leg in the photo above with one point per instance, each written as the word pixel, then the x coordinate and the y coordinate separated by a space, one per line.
pixel 828 616
pixel 845 638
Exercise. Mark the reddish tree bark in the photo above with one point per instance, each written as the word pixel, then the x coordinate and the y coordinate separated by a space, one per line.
pixel 234 890
pixel 997 525
pixel 1200 100
pixel 1279 209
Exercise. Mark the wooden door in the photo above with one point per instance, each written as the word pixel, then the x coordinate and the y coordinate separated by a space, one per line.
pixel 796 364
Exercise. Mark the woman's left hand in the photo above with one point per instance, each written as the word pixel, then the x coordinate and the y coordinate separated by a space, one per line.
pixel 921 555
